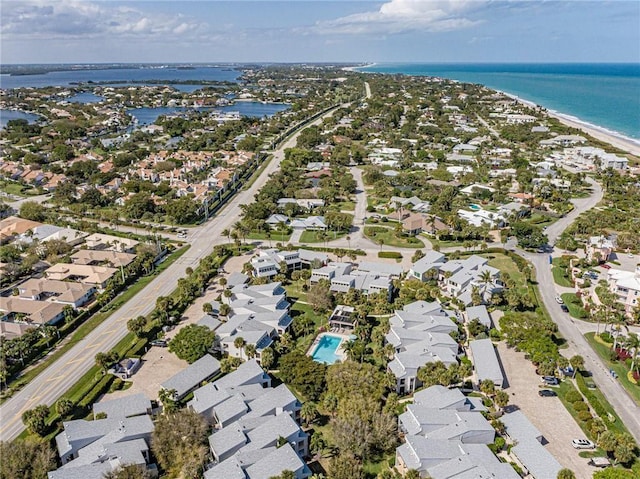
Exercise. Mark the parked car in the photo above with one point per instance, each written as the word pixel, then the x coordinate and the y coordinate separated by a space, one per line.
pixel 559 300
pixel 547 393
pixel 583 444
pixel 182 234
pixel 159 342
pixel 606 266
pixel 564 308
pixel 550 380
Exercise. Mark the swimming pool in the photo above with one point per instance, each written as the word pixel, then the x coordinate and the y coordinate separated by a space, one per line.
pixel 325 351
pixel 474 207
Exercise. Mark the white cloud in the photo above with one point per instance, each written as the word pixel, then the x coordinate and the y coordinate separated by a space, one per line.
pixel 400 16
pixel 51 19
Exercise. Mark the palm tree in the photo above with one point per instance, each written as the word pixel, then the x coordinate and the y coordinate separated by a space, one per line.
pixel 250 351
pixel 633 346
pixel 577 363
pixel 226 232
pixel 308 412
pixel 239 343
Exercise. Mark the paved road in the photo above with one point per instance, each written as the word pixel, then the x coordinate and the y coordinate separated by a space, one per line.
pixel 62 374
pixel 571 329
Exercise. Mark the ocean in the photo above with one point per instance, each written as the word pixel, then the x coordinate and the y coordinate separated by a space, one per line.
pixel 603 95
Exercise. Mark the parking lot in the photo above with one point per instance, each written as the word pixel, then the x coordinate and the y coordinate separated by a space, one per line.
pixel 158 364
pixel 545 413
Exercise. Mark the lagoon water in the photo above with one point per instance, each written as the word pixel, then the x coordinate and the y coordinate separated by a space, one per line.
pixel 7 115
pixel 147 116
pixel 121 75
pixel 85 97
pixel 605 95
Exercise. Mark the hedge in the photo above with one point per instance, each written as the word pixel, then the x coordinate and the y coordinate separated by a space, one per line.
pixel 389 254
pixel 593 400
pixel 98 390
pixel 573 396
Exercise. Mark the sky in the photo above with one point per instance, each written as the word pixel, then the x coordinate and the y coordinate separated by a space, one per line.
pixel 106 31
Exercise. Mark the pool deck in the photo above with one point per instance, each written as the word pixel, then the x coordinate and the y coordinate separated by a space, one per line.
pixel 339 351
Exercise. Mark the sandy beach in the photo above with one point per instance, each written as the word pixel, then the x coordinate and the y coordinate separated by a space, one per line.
pixel 626 144
pixel 618 141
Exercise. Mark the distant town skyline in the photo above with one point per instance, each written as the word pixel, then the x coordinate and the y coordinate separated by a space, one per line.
pixel 78 31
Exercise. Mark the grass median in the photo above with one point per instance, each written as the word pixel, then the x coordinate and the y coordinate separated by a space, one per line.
pixel 621 370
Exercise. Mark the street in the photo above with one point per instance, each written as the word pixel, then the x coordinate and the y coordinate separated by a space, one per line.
pixel 66 371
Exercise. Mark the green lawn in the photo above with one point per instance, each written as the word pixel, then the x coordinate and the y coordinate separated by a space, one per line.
pixel 275 236
pixel 575 305
pixel 317 236
pixel 619 368
pixel 560 278
pixel 344 206
pixel 12 188
pixel 559 273
pixel 388 237
pixel 444 244
pixel 507 265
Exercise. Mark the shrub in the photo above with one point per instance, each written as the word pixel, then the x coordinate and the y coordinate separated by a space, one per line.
pixel 606 337
pixel 573 396
pixel 580 406
pixel 389 254
pixel 499 443
pixel 585 416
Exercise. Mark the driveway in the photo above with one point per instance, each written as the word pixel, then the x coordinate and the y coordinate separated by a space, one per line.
pixel 547 414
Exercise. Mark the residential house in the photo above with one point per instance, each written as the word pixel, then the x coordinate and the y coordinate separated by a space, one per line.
pixel 63 292
pixel 80 438
pixel 486 363
pixel 31 313
pixel 192 376
pixel 420 334
pixel 123 407
pixel 13 226
pixel 311 223
pixel 99 241
pixel 600 248
pixel 481 314
pixel 113 259
pixel 428 266
pixel 87 274
pixel 269 261
pixel 625 285
pixel 528 447
pixel 446 437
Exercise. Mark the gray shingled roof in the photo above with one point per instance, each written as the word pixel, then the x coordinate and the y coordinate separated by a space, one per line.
pixel 282 459
pixel 193 375
pixel 480 313
pixel 127 406
pixel 485 360
pixel 533 455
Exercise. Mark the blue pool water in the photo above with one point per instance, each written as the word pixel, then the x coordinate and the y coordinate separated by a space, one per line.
pixel 474 207
pixel 325 351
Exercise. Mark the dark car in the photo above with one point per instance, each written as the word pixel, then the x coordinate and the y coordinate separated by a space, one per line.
pixel 547 393
pixel 564 308
pixel 159 342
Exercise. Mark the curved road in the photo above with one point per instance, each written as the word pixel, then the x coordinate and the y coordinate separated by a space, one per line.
pixel 569 328
pixel 54 381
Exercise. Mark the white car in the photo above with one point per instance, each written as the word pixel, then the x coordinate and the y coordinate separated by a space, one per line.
pixel 583 444
pixel 559 300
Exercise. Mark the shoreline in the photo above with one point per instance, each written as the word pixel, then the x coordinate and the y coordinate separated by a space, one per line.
pixel 613 138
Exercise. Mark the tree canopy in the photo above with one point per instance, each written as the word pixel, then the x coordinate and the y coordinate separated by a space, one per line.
pixel 192 342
